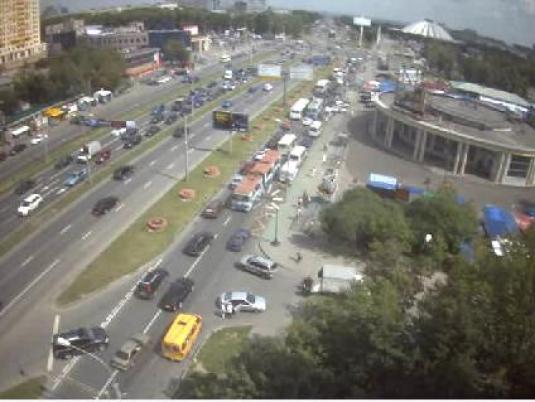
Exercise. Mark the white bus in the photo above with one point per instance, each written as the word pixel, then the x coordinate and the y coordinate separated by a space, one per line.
pixel 314 109
pixel 296 112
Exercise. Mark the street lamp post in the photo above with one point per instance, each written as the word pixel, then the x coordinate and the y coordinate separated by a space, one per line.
pixel 67 343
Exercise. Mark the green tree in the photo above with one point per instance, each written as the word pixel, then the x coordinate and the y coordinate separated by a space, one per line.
pixel 174 50
pixel 362 217
pixel 427 215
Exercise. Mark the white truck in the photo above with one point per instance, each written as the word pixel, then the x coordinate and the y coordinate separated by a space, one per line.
pixel 332 279
pixel 290 169
pixel 88 151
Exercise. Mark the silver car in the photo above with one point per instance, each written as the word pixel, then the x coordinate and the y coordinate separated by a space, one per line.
pixel 258 265
pixel 243 301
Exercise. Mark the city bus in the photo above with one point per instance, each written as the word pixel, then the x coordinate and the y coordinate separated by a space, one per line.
pixel 296 112
pixel 181 336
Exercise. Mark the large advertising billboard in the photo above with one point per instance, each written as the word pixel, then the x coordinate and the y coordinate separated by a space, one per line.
pixel 230 121
pixel 269 70
pixel 362 21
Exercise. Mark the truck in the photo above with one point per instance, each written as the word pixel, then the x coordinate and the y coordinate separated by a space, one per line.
pixel 88 151
pixel 296 112
pixel 332 279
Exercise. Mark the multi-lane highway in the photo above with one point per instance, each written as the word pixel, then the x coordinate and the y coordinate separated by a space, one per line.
pixel 36 272
pixel 50 182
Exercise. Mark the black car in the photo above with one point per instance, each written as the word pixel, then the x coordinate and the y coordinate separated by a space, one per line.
pixel 78 341
pixel 306 141
pixel 156 119
pixel 171 118
pixel 17 149
pixel 24 186
pixel 198 244
pixel 132 141
pixel 149 284
pixel 152 130
pixel 63 162
pixel 104 205
pixel 123 172
pixel 238 239
pixel 178 291
pixel 179 132
pixel 211 84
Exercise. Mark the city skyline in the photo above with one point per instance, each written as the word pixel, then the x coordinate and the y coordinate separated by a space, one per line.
pixel 507 20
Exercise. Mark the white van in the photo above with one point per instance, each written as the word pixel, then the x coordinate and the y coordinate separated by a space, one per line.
pixel 298 154
pixel 286 143
pixel 315 129
pixel 225 58
pixel 17 132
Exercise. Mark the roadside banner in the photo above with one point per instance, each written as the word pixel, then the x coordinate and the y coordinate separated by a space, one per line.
pixel 269 70
pixel 302 72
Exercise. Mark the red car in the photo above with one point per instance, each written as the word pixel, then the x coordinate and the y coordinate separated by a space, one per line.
pixel 102 156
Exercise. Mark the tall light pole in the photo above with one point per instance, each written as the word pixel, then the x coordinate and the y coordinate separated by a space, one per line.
pixel 67 343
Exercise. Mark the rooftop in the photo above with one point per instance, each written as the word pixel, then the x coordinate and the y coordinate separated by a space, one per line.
pixel 472 119
pixel 489 92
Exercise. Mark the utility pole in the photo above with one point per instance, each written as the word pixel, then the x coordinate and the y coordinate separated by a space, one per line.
pixel 284 83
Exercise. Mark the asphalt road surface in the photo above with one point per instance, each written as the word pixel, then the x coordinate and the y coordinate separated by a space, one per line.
pixel 50 182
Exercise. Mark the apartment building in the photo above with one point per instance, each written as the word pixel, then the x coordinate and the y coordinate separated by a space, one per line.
pixel 20 39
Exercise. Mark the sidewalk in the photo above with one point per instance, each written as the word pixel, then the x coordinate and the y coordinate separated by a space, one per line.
pixel 293 226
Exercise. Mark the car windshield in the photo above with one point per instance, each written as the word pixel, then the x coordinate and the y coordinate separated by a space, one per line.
pixel 122 355
pixel 26 203
pixel 251 298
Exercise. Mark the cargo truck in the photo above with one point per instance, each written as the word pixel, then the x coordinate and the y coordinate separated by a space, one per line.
pixel 88 151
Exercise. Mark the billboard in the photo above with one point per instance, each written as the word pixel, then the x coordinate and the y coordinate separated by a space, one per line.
pixel 230 121
pixel 222 119
pixel 192 29
pixel 362 21
pixel 269 70
pixel 302 72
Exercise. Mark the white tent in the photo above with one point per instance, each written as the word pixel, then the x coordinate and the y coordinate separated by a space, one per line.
pixel 428 29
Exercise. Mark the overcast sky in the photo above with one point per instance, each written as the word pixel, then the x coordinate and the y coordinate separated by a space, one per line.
pixel 510 20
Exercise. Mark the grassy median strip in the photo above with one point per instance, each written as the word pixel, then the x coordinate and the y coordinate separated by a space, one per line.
pixel 29 389
pixel 137 245
pixel 42 216
pixel 220 347
pixel 37 166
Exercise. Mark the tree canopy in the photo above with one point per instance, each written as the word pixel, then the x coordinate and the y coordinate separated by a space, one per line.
pixel 175 51
pixel 362 217
pixel 469 335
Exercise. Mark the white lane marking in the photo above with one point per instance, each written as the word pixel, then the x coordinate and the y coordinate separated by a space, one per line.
pixel 216 236
pixel 47 193
pixel 26 261
pixel 52 182
pixel 65 229
pixel 55 175
pixel 55 329
pixel 119 207
pixel 65 372
pixel 152 163
pixel 190 150
pixel 116 149
pixel 147 184
pixel 196 262
pixel 128 180
pixel 174 147
pixel 170 166
pixel 227 220
pixel 85 236
pixel 61 191
pixel 125 299
pixel 152 321
pixel 108 382
pixel 208 137
pixel 27 288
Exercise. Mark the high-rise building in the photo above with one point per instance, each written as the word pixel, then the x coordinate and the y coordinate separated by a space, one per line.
pixel 19 32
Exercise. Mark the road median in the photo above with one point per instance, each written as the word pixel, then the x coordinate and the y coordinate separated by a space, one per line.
pixel 136 245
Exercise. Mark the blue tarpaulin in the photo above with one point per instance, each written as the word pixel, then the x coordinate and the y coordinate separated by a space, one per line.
pixel 387 86
pixel 382 182
pixel 498 221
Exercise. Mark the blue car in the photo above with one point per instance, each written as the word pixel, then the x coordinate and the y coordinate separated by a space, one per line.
pixel 238 239
pixel 75 177
pixel 226 104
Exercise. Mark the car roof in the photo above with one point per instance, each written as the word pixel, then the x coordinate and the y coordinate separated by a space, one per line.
pixel 260 259
pixel 32 197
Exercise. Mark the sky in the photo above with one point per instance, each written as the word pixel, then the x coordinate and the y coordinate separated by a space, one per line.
pixel 512 21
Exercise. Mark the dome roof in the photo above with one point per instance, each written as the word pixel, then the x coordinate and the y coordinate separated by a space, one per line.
pixel 428 29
